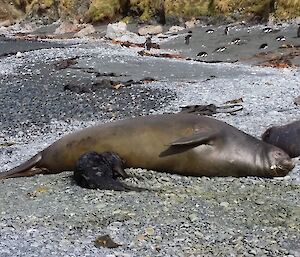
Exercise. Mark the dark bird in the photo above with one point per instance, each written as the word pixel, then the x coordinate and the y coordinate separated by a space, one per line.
pixel 267 30
pixel 235 41
pixel 187 39
pixel 220 49
pixel 226 31
pixel 209 31
pixel 280 38
pixel 202 54
pixel 263 46
pixel 298 32
pixel 148 43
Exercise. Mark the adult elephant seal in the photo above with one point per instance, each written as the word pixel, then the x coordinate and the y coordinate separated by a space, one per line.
pixel 184 144
pixel 286 137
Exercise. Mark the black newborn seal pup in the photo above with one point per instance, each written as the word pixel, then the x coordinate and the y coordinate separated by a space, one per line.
pixel 99 171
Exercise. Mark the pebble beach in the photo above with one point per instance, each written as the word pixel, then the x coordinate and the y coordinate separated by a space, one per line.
pixel 49 215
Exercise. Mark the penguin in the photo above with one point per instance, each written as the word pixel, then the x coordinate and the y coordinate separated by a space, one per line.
pixel 263 46
pixel 202 54
pixel 187 39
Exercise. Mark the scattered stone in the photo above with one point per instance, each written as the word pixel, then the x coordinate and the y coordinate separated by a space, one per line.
pixel 89 29
pixel 160 55
pixel 150 30
pixel 134 44
pixel 162 36
pixel 193 217
pixel 175 29
pixel 224 204
pixel 116 30
pixel 105 241
pixel 99 85
pixel 297 100
pixel 149 231
pixel 259 202
pixel 191 24
pixel 19 54
pixel 66 27
pixel 63 64
pixel 235 101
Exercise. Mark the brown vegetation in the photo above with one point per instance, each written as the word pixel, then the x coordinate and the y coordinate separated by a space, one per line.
pixel 145 10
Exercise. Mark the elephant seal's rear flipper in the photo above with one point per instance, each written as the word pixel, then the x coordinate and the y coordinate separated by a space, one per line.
pixel 26 169
pixel 185 143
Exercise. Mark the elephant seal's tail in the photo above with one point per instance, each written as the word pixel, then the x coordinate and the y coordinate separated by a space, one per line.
pixel 26 169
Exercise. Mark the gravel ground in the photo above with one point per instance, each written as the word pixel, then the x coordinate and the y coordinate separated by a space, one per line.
pixel 179 216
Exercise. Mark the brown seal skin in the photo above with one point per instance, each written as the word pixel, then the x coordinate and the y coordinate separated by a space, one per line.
pixel 183 144
pixel 286 137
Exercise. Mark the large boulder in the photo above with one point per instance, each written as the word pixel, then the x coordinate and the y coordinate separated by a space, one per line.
pixel 150 30
pixel 118 31
pixel 87 30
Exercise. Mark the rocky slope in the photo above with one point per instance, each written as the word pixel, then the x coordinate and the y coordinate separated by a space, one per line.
pixel 161 11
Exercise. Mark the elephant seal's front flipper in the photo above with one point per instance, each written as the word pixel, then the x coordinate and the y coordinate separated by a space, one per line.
pixel 198 138
pixel 26 169
pixel 186 143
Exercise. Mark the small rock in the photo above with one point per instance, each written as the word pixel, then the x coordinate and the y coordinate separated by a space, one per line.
pixel 193 217
pixel 105 241
pixel 149 231
pixel 224 204
pixel 66 27
pixel 19 54
pixel 150 30
pixel 252 251
pixel 115 30
pixel 89 29
pixel 118 31
pixel 175 29
pixel 191 24
pixel 158 238
pixel 297 100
